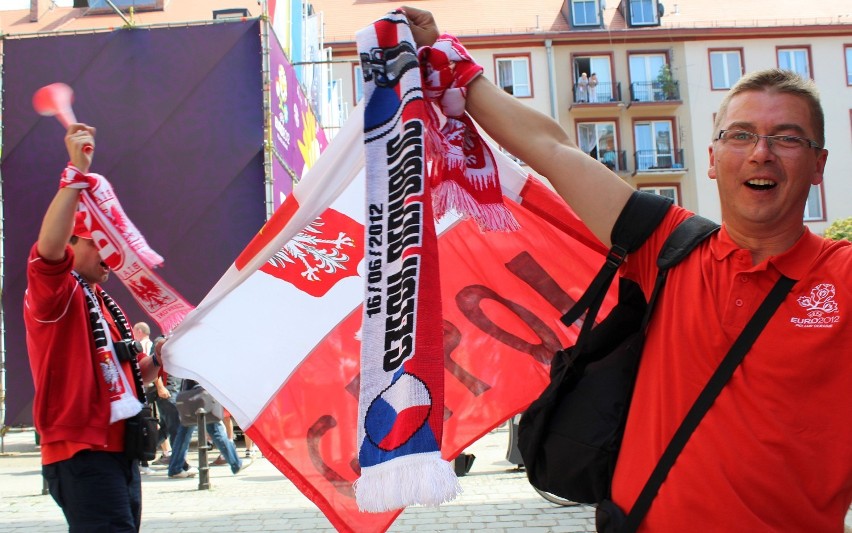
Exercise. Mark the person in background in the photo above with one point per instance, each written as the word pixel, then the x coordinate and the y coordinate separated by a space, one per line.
pixel 251 449
pixel 608 157
pixel 167 387
pixel 583 88
pixel 228 423
pixel 84 365
pixel 142 335
pixel 774 450
pixel 216 431
pixel 593 87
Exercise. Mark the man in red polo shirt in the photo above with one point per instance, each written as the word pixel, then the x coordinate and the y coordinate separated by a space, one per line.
pixel 773 453
pixel 83 390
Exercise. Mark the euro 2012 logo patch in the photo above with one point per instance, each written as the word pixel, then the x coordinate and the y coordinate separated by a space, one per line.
pixel 822 310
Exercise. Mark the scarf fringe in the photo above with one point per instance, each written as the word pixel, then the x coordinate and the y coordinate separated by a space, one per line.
pixel 123 408
pixel 171 321
pixel 418 479
pixel 449 196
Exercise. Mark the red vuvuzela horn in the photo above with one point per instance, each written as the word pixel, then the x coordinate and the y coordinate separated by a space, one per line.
pixel 55 100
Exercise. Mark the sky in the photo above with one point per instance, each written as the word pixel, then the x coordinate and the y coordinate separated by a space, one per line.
pixel 25 4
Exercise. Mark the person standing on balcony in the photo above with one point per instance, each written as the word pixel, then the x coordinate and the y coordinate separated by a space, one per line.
pixel 583 88
pixel 593 87
pixel 606 147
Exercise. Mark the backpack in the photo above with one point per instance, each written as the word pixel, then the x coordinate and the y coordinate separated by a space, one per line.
pixel 569 438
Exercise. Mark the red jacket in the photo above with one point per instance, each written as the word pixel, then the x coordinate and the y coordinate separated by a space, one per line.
pixel 71 398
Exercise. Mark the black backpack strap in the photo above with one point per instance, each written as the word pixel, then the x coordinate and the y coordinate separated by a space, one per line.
pixel 689 234
pixel 685 237
pixel 641 215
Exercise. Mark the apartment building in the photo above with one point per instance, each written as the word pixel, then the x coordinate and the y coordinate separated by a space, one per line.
pixel 637 82
pixel 655 70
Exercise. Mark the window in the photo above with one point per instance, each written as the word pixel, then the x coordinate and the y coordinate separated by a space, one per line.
pixel 600 87
pixel 848 50
pixel 598 140
pixel 669 191
pixel 100 7
pixel 813 208
pixel 643 12
pixel 644 71
pixel 726 67
pixel 795 59
pixel 585 13
pixel 513 75
pixel 654 145
pixel 358 82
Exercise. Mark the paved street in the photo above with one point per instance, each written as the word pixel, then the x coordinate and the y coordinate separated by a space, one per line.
pixel 496 498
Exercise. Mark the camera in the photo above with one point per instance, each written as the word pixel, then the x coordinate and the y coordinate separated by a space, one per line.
pixel 127 349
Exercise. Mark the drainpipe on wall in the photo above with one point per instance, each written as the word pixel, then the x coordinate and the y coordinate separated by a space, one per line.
pixel 551 78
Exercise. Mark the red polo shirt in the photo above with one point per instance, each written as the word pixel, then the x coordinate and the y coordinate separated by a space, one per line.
pixel 774 453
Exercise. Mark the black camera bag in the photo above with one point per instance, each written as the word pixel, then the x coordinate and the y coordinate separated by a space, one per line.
pixel 141 431
pixel 140 435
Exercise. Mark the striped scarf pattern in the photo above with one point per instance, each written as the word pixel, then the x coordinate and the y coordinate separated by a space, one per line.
pixel 124 249
pixel 123 403
pixel 401 402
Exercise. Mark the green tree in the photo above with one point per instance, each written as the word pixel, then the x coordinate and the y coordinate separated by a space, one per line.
pixel 840 229
pixel 667 83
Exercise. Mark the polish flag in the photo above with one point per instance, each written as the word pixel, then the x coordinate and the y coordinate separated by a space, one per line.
pixel 276 340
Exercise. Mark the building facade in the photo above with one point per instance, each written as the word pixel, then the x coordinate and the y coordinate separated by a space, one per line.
pixel 636 83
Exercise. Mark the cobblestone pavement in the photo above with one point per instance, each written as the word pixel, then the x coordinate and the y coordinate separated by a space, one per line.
pixel 496 498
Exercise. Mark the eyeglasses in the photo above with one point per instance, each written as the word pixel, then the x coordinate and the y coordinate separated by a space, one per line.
pixel 746 140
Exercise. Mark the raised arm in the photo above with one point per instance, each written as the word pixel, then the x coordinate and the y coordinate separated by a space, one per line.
pixel 58 222
pixel 595 193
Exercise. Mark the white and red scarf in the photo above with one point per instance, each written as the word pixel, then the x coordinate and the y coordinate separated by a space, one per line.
pixel 124 249
pixel 412 164
pixel 462 168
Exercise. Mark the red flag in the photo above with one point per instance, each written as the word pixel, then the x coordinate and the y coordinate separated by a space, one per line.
pixel 285 360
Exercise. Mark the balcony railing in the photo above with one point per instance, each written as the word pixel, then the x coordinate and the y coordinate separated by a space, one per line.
pixel 604 93
pixel 654 91
pixel 653 160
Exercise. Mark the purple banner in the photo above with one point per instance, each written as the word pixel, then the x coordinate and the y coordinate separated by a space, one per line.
pixel 179 117
pixel 297 138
